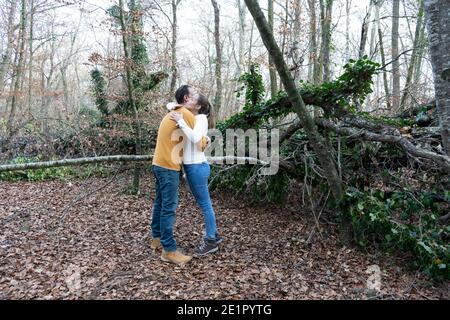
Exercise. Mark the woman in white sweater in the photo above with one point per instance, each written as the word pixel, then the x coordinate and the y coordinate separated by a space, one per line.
pixel 197 168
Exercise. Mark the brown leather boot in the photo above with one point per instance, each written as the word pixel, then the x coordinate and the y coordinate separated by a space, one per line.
pixel 175 257
pixel 155 244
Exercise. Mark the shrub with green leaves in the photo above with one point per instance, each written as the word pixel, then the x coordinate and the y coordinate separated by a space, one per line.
pixel 403 221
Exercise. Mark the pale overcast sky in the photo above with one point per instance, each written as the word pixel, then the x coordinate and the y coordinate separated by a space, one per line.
pixel 192 15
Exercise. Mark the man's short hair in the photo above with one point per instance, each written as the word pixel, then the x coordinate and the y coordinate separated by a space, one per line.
pixel 181 92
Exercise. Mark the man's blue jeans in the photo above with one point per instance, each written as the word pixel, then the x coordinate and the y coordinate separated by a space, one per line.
pixel 165 205
pixel 197 176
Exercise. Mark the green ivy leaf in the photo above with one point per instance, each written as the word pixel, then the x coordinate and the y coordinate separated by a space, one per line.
pixel 427 248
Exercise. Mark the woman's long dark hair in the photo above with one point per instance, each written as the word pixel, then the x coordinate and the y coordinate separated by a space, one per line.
pixel 207 109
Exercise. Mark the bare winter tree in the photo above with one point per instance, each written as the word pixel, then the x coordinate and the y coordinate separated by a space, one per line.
pixel 347 29
pixel 415 57
pixel 326 14
pixel 314 71
pixel 242 24
pixel 173 81
pixel 365 30
pixel 383 62
pixel 7 53
pixel 242 44
pixel 169 11
pixel 20 66
pixel 395 53
pixel 437 15
pixel 218 73
pixel 130 91
pixel 296 39
pixel 272 71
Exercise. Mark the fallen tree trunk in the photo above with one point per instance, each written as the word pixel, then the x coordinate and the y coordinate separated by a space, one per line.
pixel 398 140
pixel 353 125
pixel 71 162
pixel 116 158
pixel 388 136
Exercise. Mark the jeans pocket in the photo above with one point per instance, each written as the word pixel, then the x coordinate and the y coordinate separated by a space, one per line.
pixel 206 169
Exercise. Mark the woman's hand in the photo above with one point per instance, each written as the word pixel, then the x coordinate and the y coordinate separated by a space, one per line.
pixel 208 142
pixel 175 116
pixel 204 143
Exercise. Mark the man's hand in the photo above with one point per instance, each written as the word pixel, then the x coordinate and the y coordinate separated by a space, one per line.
pixel 176 116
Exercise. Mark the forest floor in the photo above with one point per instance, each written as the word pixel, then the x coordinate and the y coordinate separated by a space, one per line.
pixel 68 240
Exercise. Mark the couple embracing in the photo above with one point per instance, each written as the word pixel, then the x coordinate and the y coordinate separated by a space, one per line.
pixel 182 138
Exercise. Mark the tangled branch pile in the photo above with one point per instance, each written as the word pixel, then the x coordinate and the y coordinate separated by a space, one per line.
pixel 394 169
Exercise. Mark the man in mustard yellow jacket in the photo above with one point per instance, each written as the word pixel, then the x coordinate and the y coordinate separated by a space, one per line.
pixel 166 168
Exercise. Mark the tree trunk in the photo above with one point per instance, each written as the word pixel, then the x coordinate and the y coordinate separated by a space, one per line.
pixel 218 72
pixel 395 63
pixel 413 61
pixel 420 55
pixel 284 36
pixel 365 30
pixel 326 17
pixel 130 92
pixel 12 82
pixel 63 70
pixel 383 62
pixel 376 4
pixel 347 30
pixel 173 81
pixel 46 81
pixel 398 140
pixel 242 14
pixel 296 40
pixel 20 64
pixel 6 56
pixel 250 47
pixel 374 32
pixel 272 71
pixel 437 13
pixel 314 72
pixel 109 159
pixel 299 107
pixel 30 53
pixel 240 63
